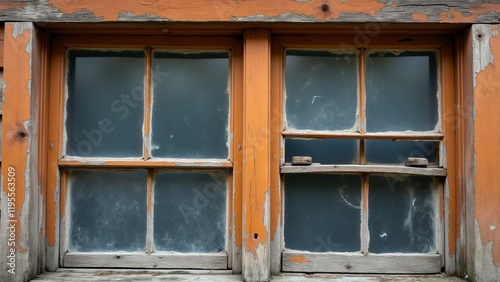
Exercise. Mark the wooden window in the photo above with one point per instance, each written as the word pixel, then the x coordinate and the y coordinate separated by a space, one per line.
pixel 145 158
pixel 362 113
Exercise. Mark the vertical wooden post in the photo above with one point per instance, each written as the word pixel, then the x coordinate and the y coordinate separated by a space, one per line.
pixel 486 195
pixel 256 155
pixel 22 233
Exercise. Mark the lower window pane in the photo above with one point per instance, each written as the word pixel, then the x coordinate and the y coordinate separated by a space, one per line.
pixel 323 212
pixel 107 210
pixel 402 214
pixel 190 212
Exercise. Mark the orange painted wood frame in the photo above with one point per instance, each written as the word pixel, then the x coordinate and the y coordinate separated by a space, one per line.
pixel 448 201
pixel 58 163
pixel 256 155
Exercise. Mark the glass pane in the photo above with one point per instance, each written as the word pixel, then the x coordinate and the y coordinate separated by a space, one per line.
pixel 401 91
pixel 322 212
pixel 190 105
pixel 105 103
pixel 190 212
pixel 396 152
pixel 321 90
pixel 402 214
pixel 324 151
pixel 108 210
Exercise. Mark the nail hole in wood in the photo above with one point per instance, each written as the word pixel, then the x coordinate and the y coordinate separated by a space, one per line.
pixel 22 134
pixel 118 257
pixel 479 36
pixel 256 236
pixel 348 266
pixel 325 8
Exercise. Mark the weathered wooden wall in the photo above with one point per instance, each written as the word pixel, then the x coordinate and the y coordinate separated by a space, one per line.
pixel 454 11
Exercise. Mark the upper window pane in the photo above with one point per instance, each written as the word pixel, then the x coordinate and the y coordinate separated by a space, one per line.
pixel 401 91
pixel 105 103
pixel 190 105
pixel 321 90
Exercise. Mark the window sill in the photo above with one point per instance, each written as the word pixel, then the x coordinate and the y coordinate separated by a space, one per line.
pixel 68 274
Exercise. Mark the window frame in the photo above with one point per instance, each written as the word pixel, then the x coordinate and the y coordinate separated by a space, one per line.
pixel 59 164
pixel 303 261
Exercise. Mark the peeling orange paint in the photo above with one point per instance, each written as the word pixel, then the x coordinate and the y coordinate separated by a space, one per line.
pixel 455 16
pixel 420 17
pixel 16 112
pixel 487 149
pixel 219 10
pixel 299 259
pixel 256 151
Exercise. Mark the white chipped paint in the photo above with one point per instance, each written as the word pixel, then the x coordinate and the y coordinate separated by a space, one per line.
pixel 481 49
pixel 493 227
pixel 253 265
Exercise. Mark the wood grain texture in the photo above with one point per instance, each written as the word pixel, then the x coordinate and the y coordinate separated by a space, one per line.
pixel 256 155
pixel 358 263
pixel 20 133
pixel 123 260
pixel 448 11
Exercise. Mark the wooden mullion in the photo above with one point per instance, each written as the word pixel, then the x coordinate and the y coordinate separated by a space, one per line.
pixel 147 106
pixel 150 213
pixel 137 163
pixel 365 234
pixel 417 136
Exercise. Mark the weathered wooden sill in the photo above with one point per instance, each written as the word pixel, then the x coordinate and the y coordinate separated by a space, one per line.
pixel 220 276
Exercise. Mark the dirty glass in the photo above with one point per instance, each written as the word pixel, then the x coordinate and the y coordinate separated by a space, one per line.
pixel 396 152
pixel 402 214
pixel 321 90
pixel 107 210
pixel 324 151
pixel 105 103
pixel 322 212
pixel 401 91
pixel 190 212
pixel 190 105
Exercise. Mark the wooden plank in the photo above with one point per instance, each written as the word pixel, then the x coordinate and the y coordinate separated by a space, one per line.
pixel 2 29
pixel 358 263
pixel 357 135
pixel 256 155
pixel 151 163
pixel 237 156
pixel 22 194
pixel 276 155
pixel 486 129
pixel 301 160
pixel 438 11
pixel 389 169
pixel 156 260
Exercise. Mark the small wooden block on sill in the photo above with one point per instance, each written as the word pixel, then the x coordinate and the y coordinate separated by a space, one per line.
pixel 301 160
pixel 417 162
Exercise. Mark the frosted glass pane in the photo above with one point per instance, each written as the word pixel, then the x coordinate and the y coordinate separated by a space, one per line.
pixel 396 152
pixel 402 214
pixel 105 103
pixel 401 91
pixel 324 151
pixel 190 212
pixel 321 90
pixel 322 212
pixel 190 105
pixel 108 210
